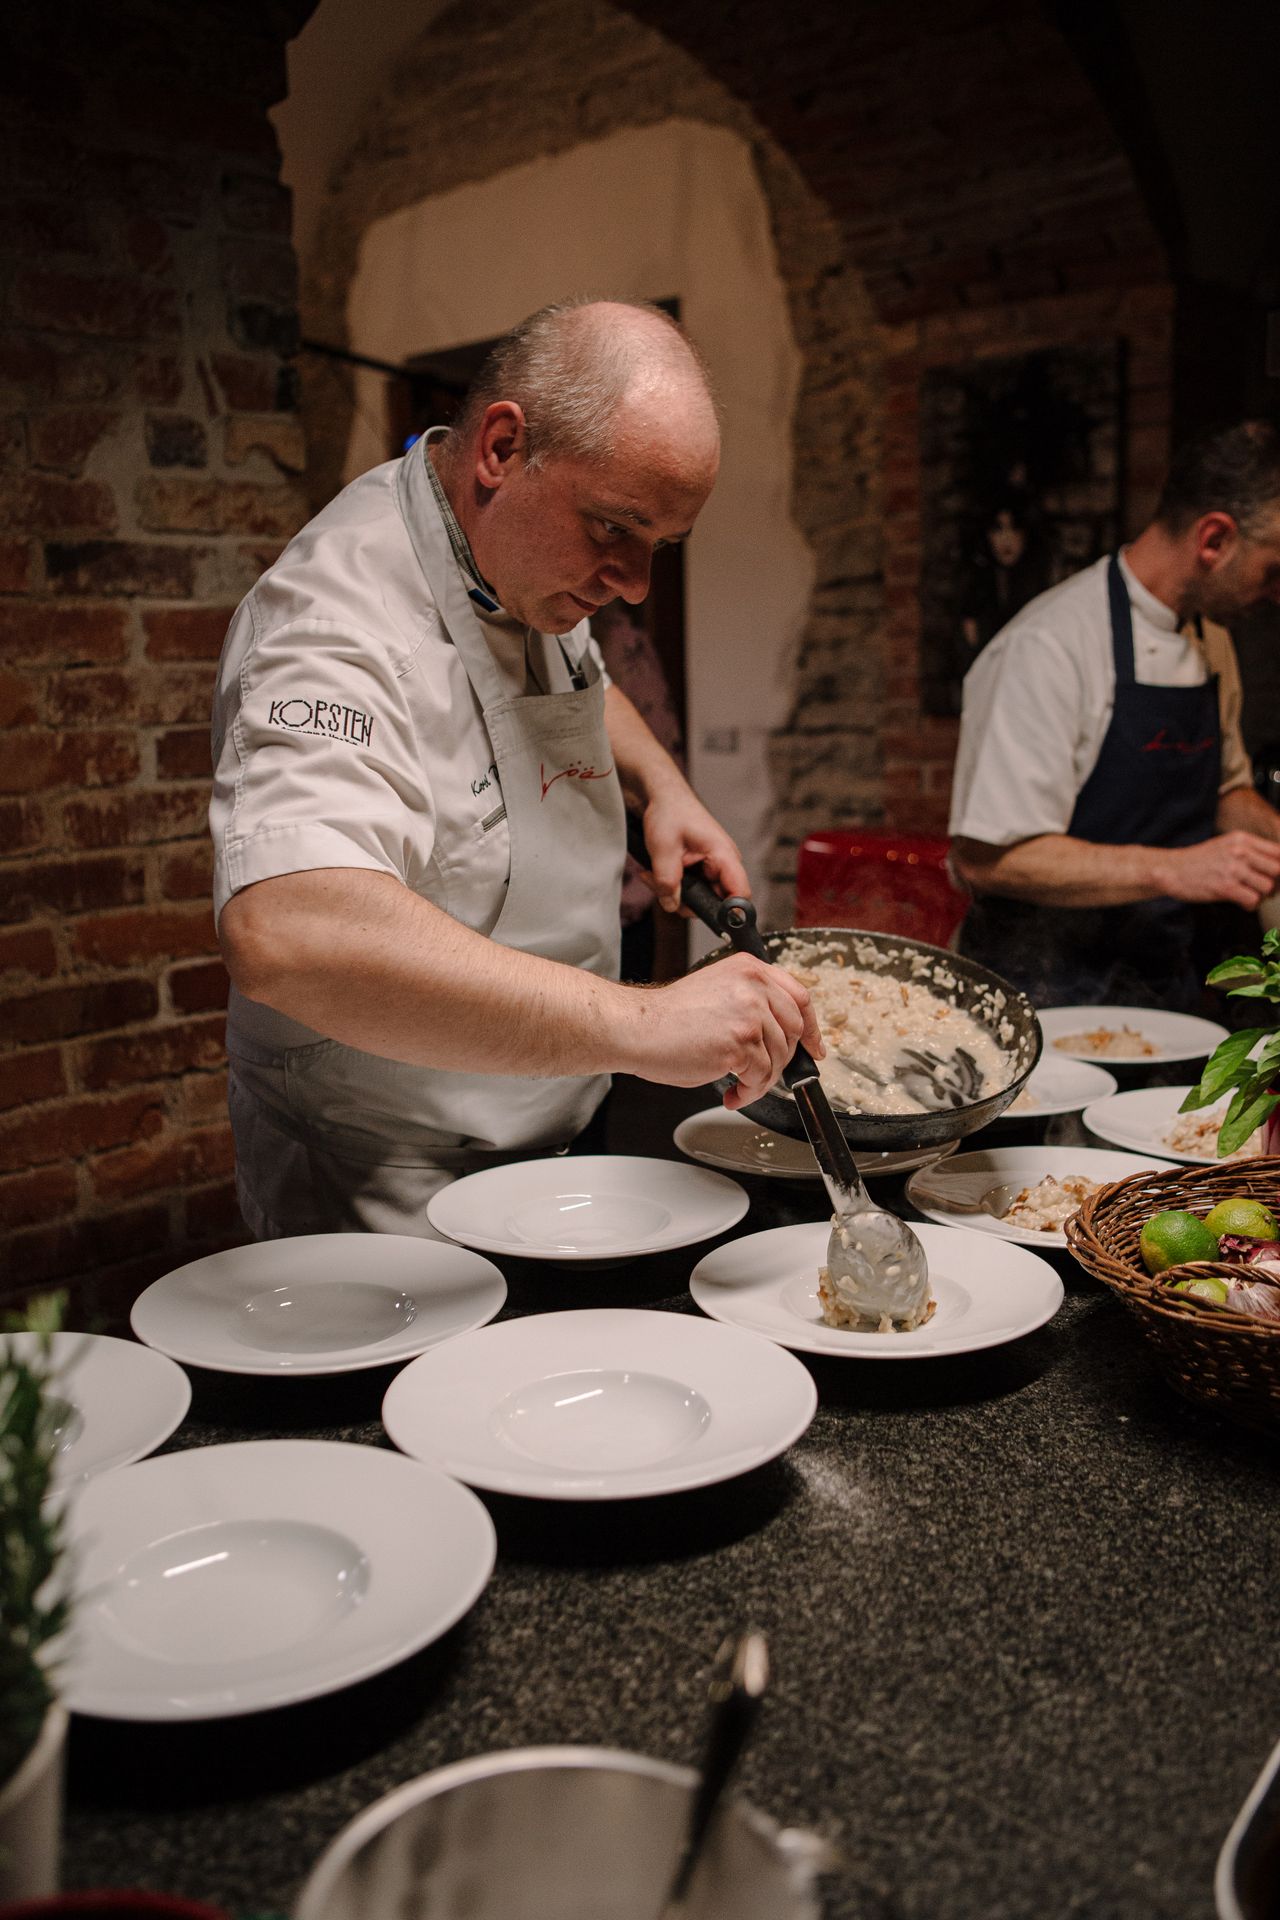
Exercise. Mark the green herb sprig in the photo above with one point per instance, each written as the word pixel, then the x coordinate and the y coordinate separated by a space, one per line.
pixel 1233 1062
pixel 33 1601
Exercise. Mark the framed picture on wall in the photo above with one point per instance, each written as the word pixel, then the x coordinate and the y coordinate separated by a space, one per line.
pixel 1019 487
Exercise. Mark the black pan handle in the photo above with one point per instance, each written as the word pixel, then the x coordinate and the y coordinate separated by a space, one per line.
pixel 733 919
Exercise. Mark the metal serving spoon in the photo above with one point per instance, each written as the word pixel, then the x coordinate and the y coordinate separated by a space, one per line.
pixel 872 1251
pixel 740 1676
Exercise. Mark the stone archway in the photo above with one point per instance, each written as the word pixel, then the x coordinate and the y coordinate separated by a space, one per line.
pixel 591 78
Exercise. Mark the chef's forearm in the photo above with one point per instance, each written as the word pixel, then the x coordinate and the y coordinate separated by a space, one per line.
pixel 1057 870
pixel 645 768
pixel 1246 810
pixel 357 956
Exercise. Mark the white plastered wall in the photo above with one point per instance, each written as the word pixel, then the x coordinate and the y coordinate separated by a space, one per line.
pixel 674 209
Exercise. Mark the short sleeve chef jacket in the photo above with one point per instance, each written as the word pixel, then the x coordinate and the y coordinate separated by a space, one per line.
pixel 1038 702
pixel 345 730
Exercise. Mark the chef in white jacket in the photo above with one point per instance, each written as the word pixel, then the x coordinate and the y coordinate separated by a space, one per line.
pixel 418 797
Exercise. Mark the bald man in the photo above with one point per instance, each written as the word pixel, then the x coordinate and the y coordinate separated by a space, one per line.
pixel 419 786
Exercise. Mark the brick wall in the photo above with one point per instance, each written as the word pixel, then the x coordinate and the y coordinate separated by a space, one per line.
pixel 149 453
pixel 942 185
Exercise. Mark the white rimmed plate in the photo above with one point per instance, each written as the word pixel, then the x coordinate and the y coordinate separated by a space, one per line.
pixel 233 1578
pixel 591 1206
pixel 969 1174
pixel 113 1400
pixel 987 1291
pixel 319 1303
pixel 600 1404
pixel 1174 1036
pixel 1142 1119
pixel 1057 1084
pixel 720 1138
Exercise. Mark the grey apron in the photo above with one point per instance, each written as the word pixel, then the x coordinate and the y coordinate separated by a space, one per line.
pixel 332 1139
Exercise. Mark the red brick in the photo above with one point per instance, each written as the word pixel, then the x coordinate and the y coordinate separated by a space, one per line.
pixel 17 566
pixel 164 1164
pixel 28 1077
pixel 122 566
pixel 112 307
pixel 153 697
pixel 156 1053
pixel 65 440
pixel 88 694
pixel 135 819
pixel 198 989
pixel 42 760
pixel 57 635
pixel 65 1129
pixel 158 379
pixel 27 1198
pixel 73 886
pixel 48 503
pixel 203 1099
pixel 63 1012
pixel 158 107
pixel 13 443
pixel 29 950
pixel 19 702
pixel 183 754
pixel 29 368
pixel 186 633
pixel 181 505
pixel 23 825
pixel 248 385
pixel 143 934
pixel 176 440
pixel 278 435
pixel 188 875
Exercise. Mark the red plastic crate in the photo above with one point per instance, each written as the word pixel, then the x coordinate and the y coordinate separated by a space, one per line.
pixel 887 882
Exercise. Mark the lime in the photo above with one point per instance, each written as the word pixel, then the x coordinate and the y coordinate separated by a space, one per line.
pixel 1206 1286
pixel 1238 1214
pixel 1170 1238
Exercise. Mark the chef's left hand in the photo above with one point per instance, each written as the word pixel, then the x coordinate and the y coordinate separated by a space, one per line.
pixel 679 832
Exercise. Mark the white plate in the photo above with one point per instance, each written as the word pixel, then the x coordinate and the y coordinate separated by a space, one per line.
pixel 114 1400
pixel 228 1579
pixel 987 1292
pixel 1140 1120
pixel 1175 1036
pixel 319 1303
pixel 591 1206
pixel 734 1141
pixel 972 1172
pixel 603 1404
pixel 1057 1084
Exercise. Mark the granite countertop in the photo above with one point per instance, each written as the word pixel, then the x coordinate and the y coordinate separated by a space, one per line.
pixel 1019 1603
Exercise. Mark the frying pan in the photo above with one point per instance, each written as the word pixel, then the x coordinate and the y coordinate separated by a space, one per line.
pixel 1005 1012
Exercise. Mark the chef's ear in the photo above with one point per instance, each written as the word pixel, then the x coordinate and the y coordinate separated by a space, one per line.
pixel 1215 536
pixel 501 442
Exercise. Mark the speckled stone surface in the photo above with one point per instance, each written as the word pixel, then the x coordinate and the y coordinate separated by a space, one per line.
pixel 1021 1607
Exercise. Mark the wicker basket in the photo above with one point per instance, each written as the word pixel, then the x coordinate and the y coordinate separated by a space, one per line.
pixel 1219 1359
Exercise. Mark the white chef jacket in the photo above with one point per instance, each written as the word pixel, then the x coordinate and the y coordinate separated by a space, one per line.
pixel 346 732
pixel 1039 697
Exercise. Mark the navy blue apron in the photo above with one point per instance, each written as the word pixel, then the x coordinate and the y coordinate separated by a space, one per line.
pixel 1155 785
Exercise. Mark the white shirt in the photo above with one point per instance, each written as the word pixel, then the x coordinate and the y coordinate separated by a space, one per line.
pixel 345 730
pixel 1038 701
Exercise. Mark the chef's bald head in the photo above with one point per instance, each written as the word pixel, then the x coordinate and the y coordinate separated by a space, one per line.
pixel 581 370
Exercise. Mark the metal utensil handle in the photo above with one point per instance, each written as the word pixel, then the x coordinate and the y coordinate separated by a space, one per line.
pixel 735 1697
pixel 733 918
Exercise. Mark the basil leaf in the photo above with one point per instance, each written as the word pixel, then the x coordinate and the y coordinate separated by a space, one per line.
pixel 1224 1067
pixel 1244 1116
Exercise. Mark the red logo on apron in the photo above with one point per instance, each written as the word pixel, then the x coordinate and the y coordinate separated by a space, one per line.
pixel 574 771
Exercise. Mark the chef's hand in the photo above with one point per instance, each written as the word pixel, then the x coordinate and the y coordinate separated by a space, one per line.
pixel 1237 866
pixel 740 1016
pixel 679 832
